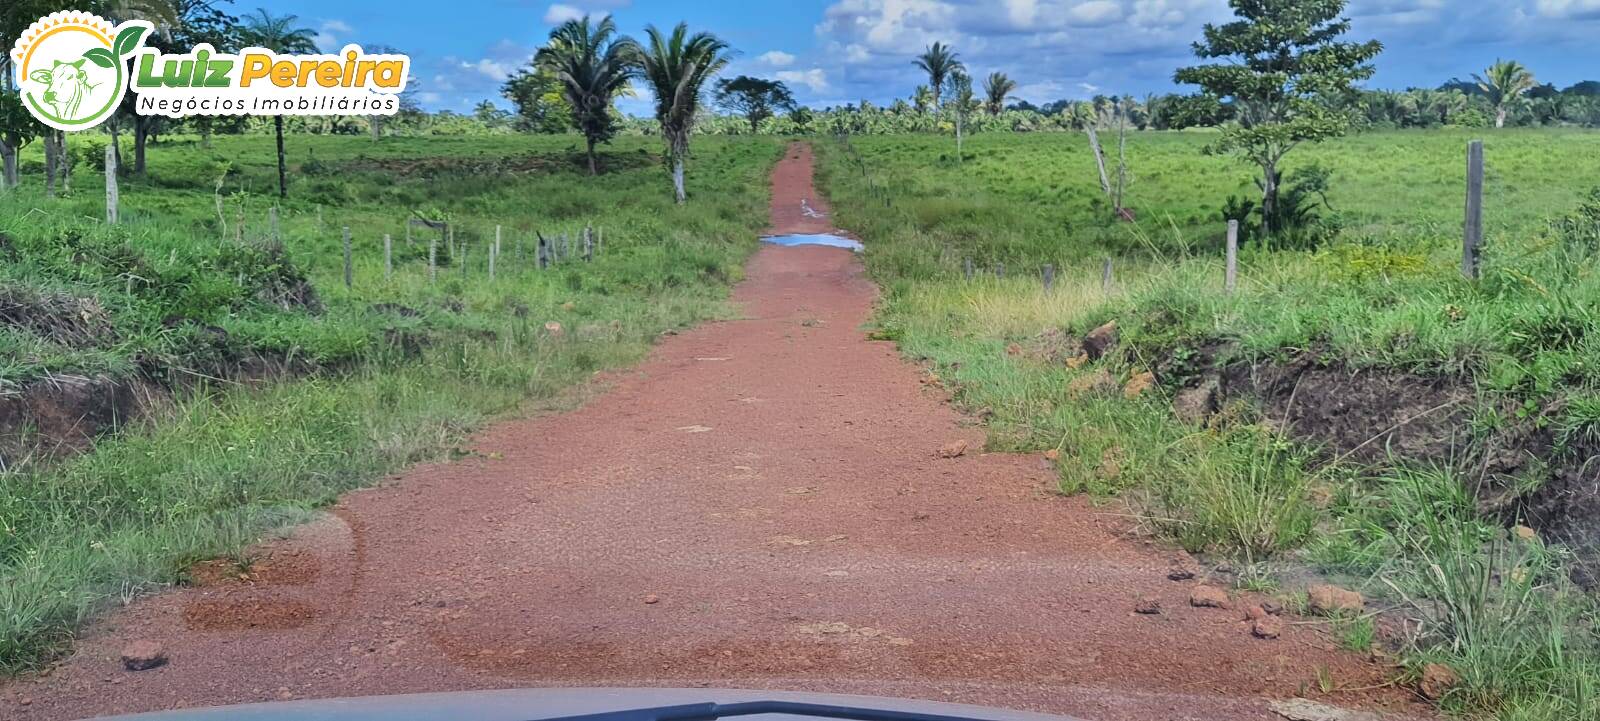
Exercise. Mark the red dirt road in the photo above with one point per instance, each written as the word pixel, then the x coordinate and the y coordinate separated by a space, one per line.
pixel 761 504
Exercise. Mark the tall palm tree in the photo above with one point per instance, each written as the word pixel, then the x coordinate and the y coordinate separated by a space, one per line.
pixel 1504 82
pixel 676 67
pixel 938 61
pixel 996 88
pixel 280 34
pixel 594 66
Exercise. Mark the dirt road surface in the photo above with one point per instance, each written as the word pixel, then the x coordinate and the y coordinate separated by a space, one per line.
pixel 761 504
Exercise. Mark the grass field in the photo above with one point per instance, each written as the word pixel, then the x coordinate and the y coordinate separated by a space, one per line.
pixel 382 375
pixel 1381 292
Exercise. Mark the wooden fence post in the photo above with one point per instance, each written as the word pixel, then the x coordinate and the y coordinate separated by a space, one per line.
pixel 494 252
pixel 967 268
pixel 349 261
pixel 272 223
pixel 588 244
pixel 433 260
pixel 1105 276
pixel 113 200
pixel 1049 275
pixel 599 239
pixel 388 258
pixel 1230 277
pixel 1472 238
pixel 999 270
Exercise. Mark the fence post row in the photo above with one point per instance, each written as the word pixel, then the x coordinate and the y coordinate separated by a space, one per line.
pixel 1472 237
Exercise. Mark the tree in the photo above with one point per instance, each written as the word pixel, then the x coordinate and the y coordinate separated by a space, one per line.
pixel 676 66
pixel 938 61
pixel 1504 83
pixel 180 25
pixel 962 102
pixel 594 65
pixel 280 35
pixel 754 98
pixel 539 98
pixel 17 129
pixel 1283 64
pixel 996 88
pixel 922 100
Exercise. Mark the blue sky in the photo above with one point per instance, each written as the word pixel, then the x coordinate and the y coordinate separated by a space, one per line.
pixel 838 51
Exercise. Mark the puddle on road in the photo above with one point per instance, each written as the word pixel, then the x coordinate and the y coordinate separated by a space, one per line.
pixel 827 239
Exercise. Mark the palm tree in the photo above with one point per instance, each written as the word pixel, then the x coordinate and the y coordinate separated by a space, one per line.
pixel 996 88
pixel 1504 82
pixel 280 35
pixel 938 61
pixel 676 67
pixel 594 66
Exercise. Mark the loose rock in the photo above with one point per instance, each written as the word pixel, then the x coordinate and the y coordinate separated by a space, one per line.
pixel 1180 573
pixel 652 598
pixel 1267 627
pixel 953 449
pixel 1255 613
pixel 1148 606
pixel 1138 384
pixel 143 655
pixel 1328 600
pixel 1209 597
pixel 1100 340
pixel 1524 533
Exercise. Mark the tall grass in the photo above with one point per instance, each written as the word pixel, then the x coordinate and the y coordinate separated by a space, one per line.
pixel 388 389
pixel 1383 293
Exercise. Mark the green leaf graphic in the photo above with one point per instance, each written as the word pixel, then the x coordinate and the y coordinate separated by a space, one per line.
pixel 127 40
pixel 101 57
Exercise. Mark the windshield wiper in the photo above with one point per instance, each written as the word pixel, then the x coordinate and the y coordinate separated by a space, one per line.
pixel 710 711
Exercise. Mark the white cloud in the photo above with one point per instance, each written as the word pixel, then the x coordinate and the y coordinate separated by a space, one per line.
pixel 1095 13
pixel 777 58
pixel 816 79
pixel 1089 87
pixel 1565 9
pixel 559 13
pixel 330 34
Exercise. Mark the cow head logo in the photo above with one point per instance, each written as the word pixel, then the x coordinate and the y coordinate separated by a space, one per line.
pixel 72 67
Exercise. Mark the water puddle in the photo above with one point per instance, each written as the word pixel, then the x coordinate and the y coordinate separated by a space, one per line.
pixel 832 241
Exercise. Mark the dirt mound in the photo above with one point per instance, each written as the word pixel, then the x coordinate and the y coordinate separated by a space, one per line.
pixel 64 414
pixel 1367 416
pixel 1380 417
pixel 62 318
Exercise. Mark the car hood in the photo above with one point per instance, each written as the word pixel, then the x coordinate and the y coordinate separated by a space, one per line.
pixel 549 703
